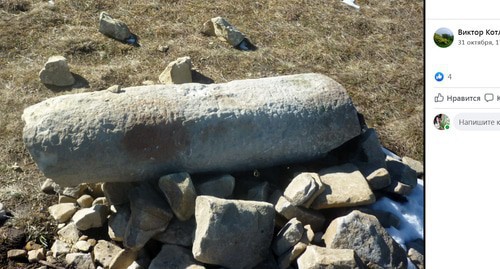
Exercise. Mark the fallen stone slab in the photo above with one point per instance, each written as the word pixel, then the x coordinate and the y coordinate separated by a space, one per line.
pixel 149 131
pixel 232 233
pixel 319 257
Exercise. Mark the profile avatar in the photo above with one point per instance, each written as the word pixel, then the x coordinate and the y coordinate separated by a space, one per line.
pixel 442 122
pixel 443 37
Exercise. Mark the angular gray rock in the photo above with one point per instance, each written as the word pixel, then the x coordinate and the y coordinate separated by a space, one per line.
pixel 36 255
pixel 16 254
pixel 79 260
pixel 180 193
pixel 113 28
pixel 150 215
pixel 367 153
pixel 285 260
pixel 56 72
pixel 178 233
pixel 232 233
pixel 318 258
pixel 223 30
pixel 416 258
pixel 59 248
pixel 303 189
pixel 49 186
pixel 117 192
pixel 177 72
pixel 220 186
pixel 117 223
pixel 150 131
pixel 304 215
pixel 364 234
pixel 402 173
pixel 75 191
pixel 344 186
pixel 174 257
pixel 288 236
pixel 92 217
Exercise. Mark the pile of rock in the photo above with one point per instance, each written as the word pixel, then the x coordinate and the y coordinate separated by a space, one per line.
pixel 311 214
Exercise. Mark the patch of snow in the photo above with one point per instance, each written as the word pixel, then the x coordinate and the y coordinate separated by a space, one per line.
pixel 410 214
pixel 350 3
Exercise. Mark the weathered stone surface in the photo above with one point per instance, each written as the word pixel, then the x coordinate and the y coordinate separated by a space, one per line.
pixel 364 234
pixel 69 233
pixel 177 72
pixel 318 258
pixel 62 212
pixel 304 215
pixel 112 256
pixel 344 186
pixel 223 30
pixel 16 254
pixel 220 187
pixel 415 165
pixel 232 233
pixel 63 199
pixel 113 28
pixel 402 173
pixel 117 223
pixel 416 258
pixel 36 255
pixel 59 248
pixel 379 179
pixel 291 255
pixel 117 192
pixel 180 193
pixel 174 257
pixel 74 191
pixel 303 189
pixel 178 233
pixel 80 261
pixel 56 72
pixel 92 217
pixel 218 128
pixel 150 215
pixel 259 192
pixel 85 201
pixel 288 236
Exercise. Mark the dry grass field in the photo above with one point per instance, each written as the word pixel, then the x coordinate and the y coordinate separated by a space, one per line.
pixel 376 53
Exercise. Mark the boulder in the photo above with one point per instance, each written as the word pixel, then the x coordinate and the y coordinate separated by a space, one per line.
pixel 150 215
pixel 79 260
pixel 316 257
pixel 402 173
pixel 219 186
pixel 62 212
pixel 304 215
pixel 56 72
pixel 303 189
pixel 286 259
pixel 177 72
pixel 113 28
pixel 93 217
pixel 117 192
pixel 364 234
pixel 178 232
pixel 345 186
pixel 117 223
pixel 180 193
pixel 232 233
pixel 149 131
pixel 288 236
pixel 174 257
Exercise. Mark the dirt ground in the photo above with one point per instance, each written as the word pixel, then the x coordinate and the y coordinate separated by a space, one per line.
pixel 376 53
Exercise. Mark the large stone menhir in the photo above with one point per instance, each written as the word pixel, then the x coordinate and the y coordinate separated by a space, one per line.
pixel 149 131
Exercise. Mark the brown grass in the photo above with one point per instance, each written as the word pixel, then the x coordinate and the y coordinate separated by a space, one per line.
pixel 376 53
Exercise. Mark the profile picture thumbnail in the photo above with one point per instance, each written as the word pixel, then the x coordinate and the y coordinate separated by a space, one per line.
pixel 442 122
pixel 443 37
